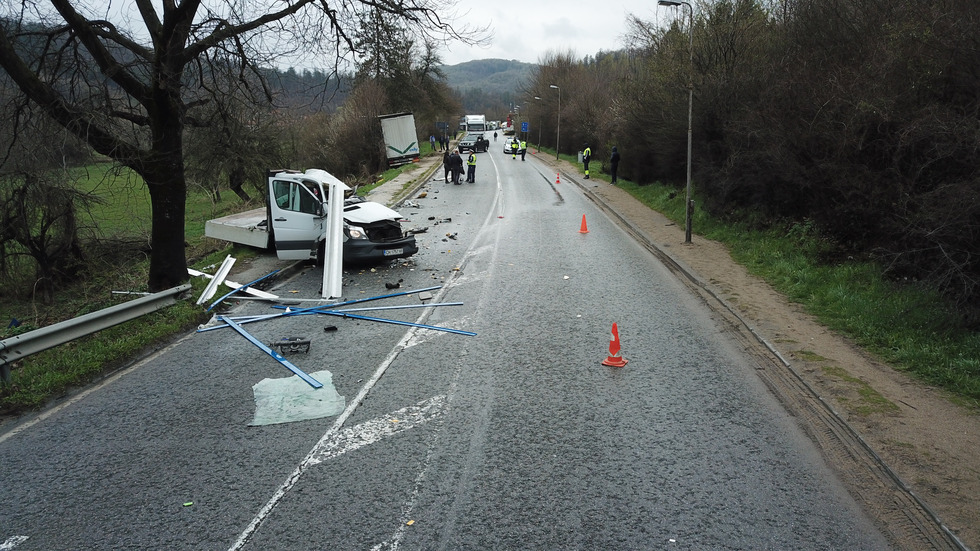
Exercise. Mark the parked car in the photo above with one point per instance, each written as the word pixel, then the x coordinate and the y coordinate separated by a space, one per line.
pixel 507 147
pixel 473 142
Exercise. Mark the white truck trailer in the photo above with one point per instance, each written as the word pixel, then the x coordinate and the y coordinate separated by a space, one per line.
pixel 401 139
pixel 293 223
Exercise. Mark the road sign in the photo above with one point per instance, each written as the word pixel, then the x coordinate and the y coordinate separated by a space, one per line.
pixel 524 126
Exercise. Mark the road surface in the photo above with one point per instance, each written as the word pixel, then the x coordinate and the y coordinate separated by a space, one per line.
pixel 516 437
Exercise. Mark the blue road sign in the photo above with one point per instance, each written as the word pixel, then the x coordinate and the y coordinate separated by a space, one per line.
pixel 524 126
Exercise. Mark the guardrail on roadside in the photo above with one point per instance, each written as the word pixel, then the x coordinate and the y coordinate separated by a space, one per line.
pixel 32 342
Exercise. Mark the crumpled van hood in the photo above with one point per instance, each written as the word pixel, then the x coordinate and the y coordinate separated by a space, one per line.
pixel 368 212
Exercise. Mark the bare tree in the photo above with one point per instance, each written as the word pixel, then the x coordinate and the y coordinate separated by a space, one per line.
pixel 129 92
pixel 38 220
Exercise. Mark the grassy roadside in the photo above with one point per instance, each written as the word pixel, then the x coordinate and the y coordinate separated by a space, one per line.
pixel 908 327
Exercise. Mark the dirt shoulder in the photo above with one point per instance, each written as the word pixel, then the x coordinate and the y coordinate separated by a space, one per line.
pixel 932 444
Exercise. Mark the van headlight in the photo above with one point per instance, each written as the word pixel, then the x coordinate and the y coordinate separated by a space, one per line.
pixel 356 232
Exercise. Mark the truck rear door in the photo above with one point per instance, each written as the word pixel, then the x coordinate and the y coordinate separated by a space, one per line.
pixel 297 217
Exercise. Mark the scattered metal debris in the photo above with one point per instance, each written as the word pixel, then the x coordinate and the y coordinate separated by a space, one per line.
pixel 287 345
pixel 275 355
pixel 254 292
pixel 217 279
pixel 396 285
pixel 240 288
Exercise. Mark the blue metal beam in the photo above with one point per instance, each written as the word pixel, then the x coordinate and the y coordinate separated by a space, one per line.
pixel 398 322
pixel 275 355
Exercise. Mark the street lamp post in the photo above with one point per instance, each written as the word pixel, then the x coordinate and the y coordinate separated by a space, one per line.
pixel 539 128
pixel 558 130
pixel 690 111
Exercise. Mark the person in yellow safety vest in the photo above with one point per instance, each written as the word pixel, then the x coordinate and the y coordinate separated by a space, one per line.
pixel 513 148
pixel 586 155
pixel 471 168
pixel 523 149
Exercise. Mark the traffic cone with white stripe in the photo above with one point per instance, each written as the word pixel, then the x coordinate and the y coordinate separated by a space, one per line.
pixel 558 178
pixel 614 359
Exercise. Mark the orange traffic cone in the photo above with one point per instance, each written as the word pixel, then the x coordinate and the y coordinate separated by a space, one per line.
pixel 585 228
pixel 614 359
pixel 558 178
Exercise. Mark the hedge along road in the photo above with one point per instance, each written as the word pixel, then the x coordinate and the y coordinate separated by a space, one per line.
pixel 515 438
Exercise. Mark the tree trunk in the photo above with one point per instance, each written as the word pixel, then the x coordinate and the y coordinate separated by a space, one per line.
pixel 168 264
pixel 163 173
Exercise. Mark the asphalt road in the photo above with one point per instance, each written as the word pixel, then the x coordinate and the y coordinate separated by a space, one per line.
pixel 515 438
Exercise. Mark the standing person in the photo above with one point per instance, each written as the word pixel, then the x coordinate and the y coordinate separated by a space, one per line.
pixel 456 164
pixel 447 165
pixel 523 149
pixel 432 141
pixel 471 168
pixel 586 156
pixel 613 164
pixel 514 144
pixel 494 136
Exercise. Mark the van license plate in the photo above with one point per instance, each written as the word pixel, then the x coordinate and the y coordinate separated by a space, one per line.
pixel 393 252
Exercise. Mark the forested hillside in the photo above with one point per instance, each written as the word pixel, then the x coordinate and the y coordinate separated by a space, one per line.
pixel 489 86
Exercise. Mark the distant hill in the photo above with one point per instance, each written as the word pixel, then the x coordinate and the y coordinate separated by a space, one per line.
pixel 489 75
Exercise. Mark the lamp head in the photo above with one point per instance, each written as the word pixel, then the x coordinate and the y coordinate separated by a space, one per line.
pixel 668 3
pixel 553 86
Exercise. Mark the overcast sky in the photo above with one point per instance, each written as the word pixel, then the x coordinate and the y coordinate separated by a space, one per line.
pixel 526 30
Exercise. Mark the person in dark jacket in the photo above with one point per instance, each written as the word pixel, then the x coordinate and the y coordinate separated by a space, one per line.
pixel 447 165
pixel 456 164
pixel 613 164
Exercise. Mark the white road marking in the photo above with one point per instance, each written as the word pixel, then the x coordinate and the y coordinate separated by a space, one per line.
pixel 371 431
pixel 394 542
pixel 330 436
pixel 12 542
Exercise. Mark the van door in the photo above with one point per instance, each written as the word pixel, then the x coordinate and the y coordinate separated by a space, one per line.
pixel 297 217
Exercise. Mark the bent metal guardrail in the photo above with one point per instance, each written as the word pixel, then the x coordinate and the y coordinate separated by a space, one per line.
pixel 21 346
